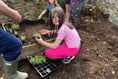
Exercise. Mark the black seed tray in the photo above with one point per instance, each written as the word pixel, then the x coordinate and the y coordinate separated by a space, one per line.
pixel 46 68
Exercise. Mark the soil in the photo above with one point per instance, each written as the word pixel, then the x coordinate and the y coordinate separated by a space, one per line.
pixel 97 59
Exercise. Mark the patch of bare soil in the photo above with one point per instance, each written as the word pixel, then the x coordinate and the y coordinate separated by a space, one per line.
pixel 97 59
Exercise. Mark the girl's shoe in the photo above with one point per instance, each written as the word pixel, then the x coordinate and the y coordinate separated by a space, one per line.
pixel 67 60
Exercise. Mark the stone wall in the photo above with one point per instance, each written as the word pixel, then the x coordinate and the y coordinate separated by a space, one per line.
pixel 109 7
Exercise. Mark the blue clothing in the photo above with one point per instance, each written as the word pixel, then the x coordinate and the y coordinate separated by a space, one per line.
pixel 49 7
pixel 75 10
pixel 10 46
pixel 67 1
pixel 81 1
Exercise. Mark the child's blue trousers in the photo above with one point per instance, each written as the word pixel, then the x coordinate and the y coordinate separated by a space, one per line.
pixel 10 46
pixel 75 11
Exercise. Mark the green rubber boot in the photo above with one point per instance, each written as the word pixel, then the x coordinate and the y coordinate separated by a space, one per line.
pixel 10 71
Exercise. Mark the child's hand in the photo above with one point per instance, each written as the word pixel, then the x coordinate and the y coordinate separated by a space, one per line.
pixel 39 17
pixel 44 32
pixel 39 40
pixel 16 17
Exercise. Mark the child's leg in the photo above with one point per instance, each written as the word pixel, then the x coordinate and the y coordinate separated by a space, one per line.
pixel 75 11
pixel 61 52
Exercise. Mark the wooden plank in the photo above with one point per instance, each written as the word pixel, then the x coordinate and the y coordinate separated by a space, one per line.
pixel 32 49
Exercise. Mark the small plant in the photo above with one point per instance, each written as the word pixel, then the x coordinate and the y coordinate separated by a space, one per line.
pixel 37 59
pixel 45 19
pixel 36 35
pixel 23 37
pixel 15 27
pixel 89 20
pixel 15 32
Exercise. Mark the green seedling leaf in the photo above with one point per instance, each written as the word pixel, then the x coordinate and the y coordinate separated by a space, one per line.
pixel 22 37
pixel 15 32
pixel 91 20
pixel 36 35
pixel 87 20
pixel 37 59
pixel 41 54
pixel 15 26
pixel 45 19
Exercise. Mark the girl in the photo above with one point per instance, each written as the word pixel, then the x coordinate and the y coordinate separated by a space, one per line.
pixel 51 4
pixel 65 32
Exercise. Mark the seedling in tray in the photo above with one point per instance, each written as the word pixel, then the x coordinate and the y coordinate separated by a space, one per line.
pixel 42 66
pixel 45 69
pixel 37 59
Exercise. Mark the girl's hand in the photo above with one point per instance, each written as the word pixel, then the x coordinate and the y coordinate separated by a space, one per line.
pixel 39 40
pixel 44 32
pixel 39 17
